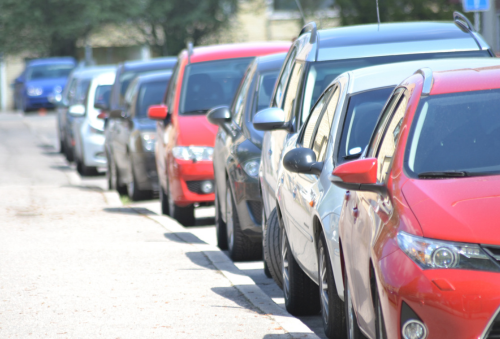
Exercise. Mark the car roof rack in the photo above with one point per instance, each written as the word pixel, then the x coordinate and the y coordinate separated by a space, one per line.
pixel 310 27
pixel 190 51
pixel 462 22
pixel 426 72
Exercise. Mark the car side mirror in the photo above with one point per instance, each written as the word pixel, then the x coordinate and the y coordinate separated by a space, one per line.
pixel 302 160
pixel 358 175
pixel 219 115
pixel 77 110
pixel 157 112
pixel 101 105
pixel 270 119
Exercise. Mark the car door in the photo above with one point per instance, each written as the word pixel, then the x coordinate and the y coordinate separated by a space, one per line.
pixel 122 133
pixel 366 222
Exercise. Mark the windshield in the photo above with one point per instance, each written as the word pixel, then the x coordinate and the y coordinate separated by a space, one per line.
pixel 150 94
pixel 49 71
pixel 362 113
pixel 456 132
pixel 321 74
pixel 210 84
pixel 102 94
pixel 265 90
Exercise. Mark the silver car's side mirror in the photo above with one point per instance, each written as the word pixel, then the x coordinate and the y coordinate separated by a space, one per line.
pixel 270 119
pixel 77 110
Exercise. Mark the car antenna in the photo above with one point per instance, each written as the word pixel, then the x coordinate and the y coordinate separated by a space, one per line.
pixel 378 16
pixel 190 51
pixel 301 11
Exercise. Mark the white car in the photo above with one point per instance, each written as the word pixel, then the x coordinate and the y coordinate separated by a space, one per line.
pixel 88 128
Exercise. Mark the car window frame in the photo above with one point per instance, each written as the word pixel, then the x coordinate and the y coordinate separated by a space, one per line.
pixel 238 119
pixel 290 59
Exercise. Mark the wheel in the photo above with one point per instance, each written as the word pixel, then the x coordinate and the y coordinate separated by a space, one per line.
pixel 380 330
pixel 220 225
pixel 163 201
pixel 301 293
pixel 68 152
pixel 353 331
pixel 110 175
pixel 240 247
pixel 84 170
pixel 61 146
pixel 120 188
pixel 184 215
pixel 134 192
pixel 272 248
pixel 266 267
pixel 332 307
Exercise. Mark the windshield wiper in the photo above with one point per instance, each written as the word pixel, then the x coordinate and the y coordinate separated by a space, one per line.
pixel 444 174
pixel 198 111
pixel 352 156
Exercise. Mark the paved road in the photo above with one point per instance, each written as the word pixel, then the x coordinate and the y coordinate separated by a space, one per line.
pixel 75 263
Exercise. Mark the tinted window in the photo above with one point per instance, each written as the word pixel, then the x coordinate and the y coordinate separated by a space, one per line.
pixel 239 103
pixel 80 92
pixel 362 114
pixel 209 84
pixel 280 89
pixel 49 71
pixel 150 94
pixel 291 91
pixel 323 131
pixel 456 132
pixel 310 126
pixel 265 90
pixel 102 94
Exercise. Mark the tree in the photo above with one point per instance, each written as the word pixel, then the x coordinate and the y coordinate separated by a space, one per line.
pixel 354 12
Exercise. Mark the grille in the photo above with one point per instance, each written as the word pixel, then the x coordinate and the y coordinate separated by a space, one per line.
pixel 494 330
pixel 255 208
pixel 195 186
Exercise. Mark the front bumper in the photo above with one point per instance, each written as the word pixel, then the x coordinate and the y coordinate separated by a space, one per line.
pixel 144 164
pixel 452 303
pixel 182 171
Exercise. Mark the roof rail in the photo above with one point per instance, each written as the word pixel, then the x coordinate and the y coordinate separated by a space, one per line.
pixel 427 74
pixel 190 51
pixel 310 27
pixel 462 22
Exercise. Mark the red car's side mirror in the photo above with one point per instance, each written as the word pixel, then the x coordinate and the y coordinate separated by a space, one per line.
pixel 358 175
pixel 157 112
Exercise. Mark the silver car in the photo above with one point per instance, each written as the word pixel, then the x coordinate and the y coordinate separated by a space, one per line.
pixel 337 131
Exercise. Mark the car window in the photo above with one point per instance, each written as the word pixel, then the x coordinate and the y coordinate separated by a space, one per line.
pixel 150 93
pixel 80 92
pixel 390 139
pixel 280 88
pixel 309 127
pixel 49 71
pixel 363 111
pixel 264 91
pixel 102 94
pixel 241 97
pixel 291 91
pixel 320 142
pixel 172 86
pixel 129 94
pixel 71 91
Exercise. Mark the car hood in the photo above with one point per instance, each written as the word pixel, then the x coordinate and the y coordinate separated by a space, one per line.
pixel 144 124
pixel 195 130
pixel 463 210
pixel 47 83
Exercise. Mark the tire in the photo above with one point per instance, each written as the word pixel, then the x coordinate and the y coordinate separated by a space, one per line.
pixel 110 175
pixel 220 225
pixel 120 188
pixel 134 193
pixel 61 146
pixel 239 246
pixel 301 293
pixel 266 267
pixel 332 307
pixel 352 328
pixel 163 201
pixel 380 330
pixel 68 153
pixel 184 215
pixel 84 170
pixel 272 248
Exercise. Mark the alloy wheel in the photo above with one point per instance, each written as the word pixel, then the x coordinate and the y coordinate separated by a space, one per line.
pixel 284 262
pixel 323 283
pixel 229 220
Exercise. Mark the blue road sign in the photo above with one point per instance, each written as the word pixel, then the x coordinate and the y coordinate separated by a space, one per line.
pixel 476 5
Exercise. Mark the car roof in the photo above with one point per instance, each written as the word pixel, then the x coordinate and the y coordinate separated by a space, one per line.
pixel 90 72
pixel 107 78
pixel 469 78
pixel 155 76
pixel 51 61
pixel 156 63
pixel 239 50
pixel 271 62
pixel 387 39
pixel 393 74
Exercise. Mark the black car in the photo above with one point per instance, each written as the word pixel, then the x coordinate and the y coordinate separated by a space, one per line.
pixel 237 152
pixel 125 73
pixel 133 137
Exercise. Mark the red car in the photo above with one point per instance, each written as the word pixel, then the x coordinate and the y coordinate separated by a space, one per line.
pixel 204 77
pixel 420 229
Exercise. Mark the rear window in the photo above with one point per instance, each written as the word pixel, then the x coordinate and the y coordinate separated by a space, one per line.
pixel 150 94
pixel 456 132
pixel 210 84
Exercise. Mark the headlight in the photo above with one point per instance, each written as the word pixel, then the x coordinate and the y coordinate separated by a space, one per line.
pixel 148 141
pixel 251 167
pixel 34 91
pixel 430 253
pixel 195 153
pixel 58 89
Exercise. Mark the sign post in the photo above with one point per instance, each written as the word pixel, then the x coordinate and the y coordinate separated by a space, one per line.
pixel 476 6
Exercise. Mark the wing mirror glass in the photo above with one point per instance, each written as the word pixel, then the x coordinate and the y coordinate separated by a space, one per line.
pixel 157 112
pixel 358 175
pixel 77 110
pixel 269 119
pixel 219 115
pixel 302 160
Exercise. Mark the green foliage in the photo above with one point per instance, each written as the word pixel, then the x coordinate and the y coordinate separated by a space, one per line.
pixel 354 12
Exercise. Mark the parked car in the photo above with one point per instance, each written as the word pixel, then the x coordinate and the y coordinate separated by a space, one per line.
pixel 125 73
pixel 73 93
pixel 39 81
pixel 133 137
pixel 236 161
pixel 88 127
pixel 205 77
pixel 319 56
pixel 336 132
pixel 419 231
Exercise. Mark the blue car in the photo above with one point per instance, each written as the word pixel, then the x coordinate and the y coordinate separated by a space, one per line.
pixel 41 83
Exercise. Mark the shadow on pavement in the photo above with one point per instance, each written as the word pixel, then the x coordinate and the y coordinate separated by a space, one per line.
pixel 128 210
pixel 183 237
pixel 236 296
pixel 200 259
pixel 63 168
pixel 208 221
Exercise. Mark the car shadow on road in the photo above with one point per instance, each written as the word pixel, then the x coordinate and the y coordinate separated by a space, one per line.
pixel 128 210
pixel 233 294
pixel 208 221
pixel 183 237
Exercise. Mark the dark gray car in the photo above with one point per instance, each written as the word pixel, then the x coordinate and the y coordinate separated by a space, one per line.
pixel 237 158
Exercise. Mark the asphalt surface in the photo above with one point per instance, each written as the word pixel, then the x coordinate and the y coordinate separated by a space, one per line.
pixel 76 263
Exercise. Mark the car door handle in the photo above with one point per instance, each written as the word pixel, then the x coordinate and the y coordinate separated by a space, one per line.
pixel 347 196
pixel 355 212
